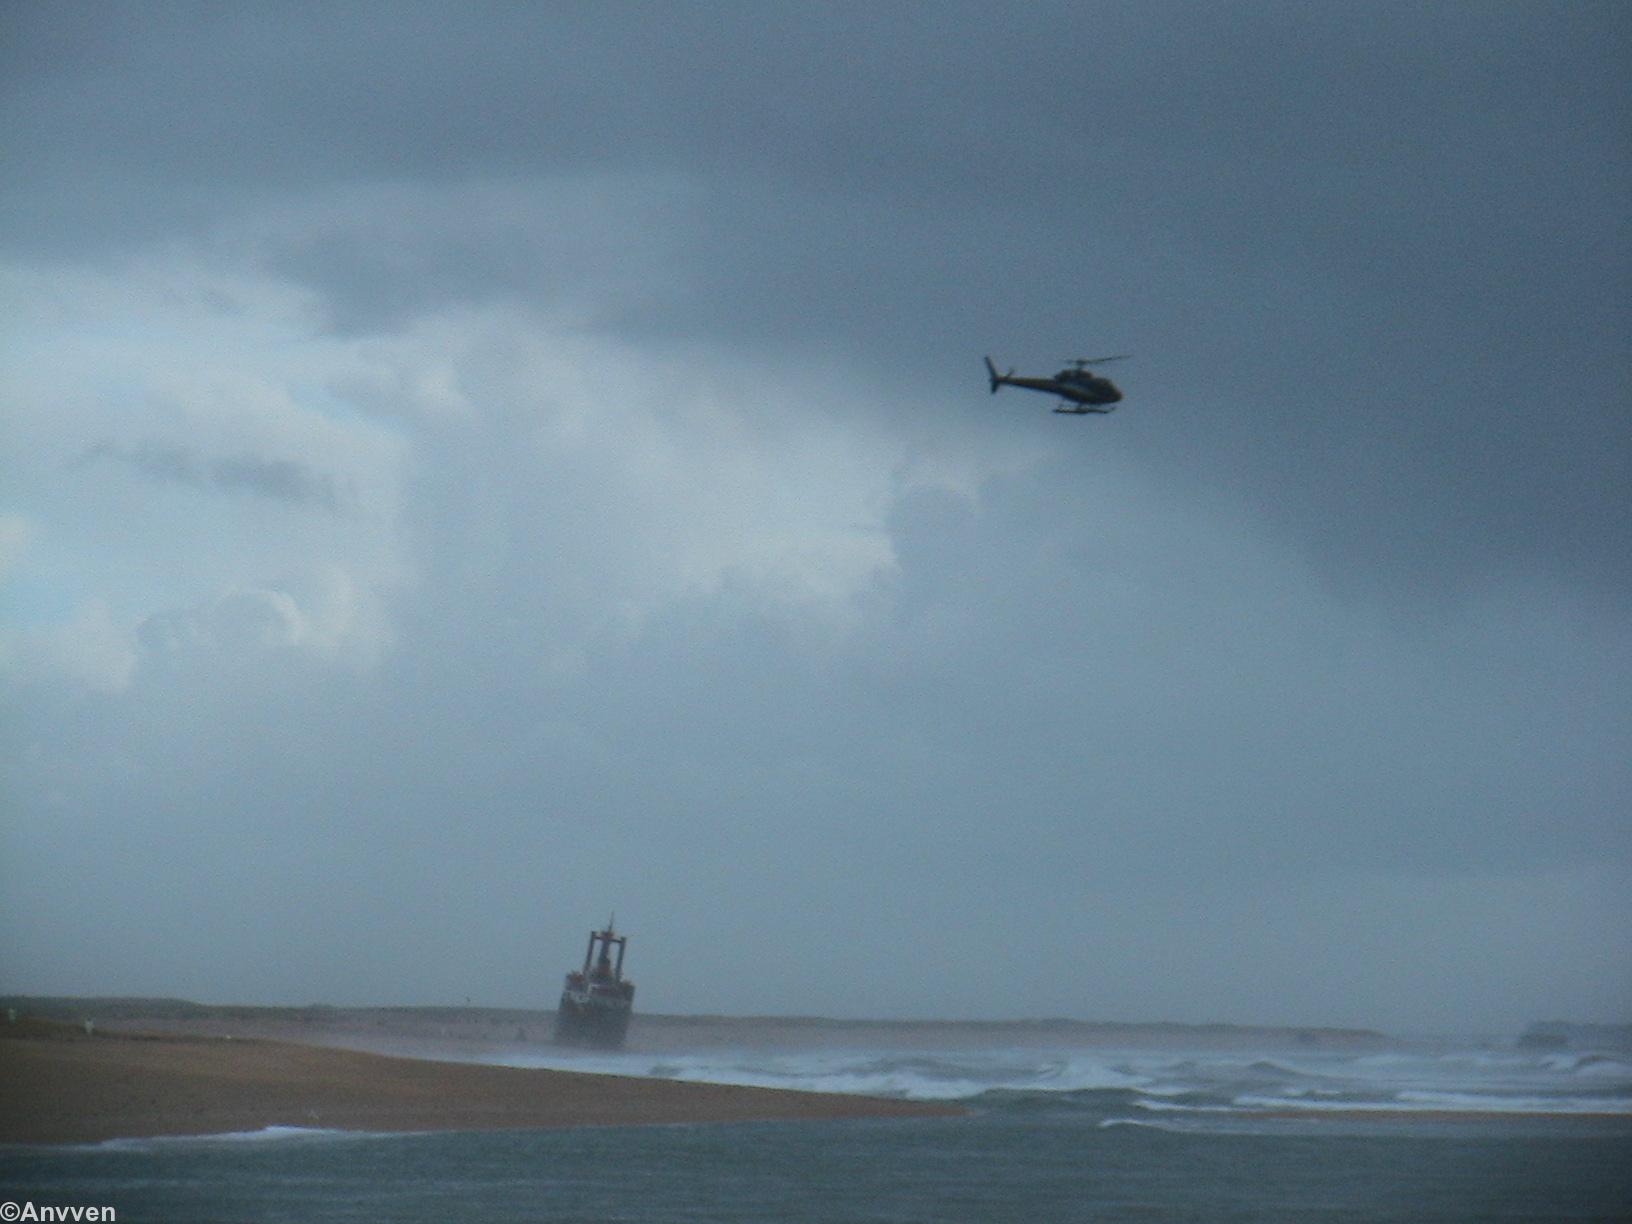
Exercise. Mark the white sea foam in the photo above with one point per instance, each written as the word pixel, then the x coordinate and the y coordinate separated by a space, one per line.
pixel 266 1134
pixel 1475 1081
pixel 937 1075
pixel 1601 1066
pixel 1483 1103
pixel 1142 1124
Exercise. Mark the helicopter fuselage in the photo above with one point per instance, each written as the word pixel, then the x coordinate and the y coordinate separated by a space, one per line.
pixel 1084 390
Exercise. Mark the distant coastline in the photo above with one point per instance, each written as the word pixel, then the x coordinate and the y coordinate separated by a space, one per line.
pixel 399 1028
pixel 1568 1035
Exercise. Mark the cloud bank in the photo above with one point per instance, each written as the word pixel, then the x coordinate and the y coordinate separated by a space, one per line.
pixel 469 473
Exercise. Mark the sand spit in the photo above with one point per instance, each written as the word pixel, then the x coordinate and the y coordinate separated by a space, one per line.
pixel 62 1085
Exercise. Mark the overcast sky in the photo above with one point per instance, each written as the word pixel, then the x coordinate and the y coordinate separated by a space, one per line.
pixel 471 468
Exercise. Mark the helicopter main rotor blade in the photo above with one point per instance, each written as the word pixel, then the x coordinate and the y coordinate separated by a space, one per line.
pixel 1100 360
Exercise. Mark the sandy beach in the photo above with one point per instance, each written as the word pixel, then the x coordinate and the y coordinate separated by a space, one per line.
pixel 62 1086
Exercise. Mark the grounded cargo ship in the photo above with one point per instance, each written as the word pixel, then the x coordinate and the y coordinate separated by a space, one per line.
pixel 597 1001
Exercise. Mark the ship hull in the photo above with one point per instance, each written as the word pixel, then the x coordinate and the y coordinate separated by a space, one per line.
pixel 592 1021
pixel 597 999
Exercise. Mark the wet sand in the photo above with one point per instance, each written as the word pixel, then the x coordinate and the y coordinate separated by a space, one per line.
pixel 58 1085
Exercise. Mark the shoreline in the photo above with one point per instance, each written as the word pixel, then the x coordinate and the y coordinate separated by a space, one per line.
pixel 78 1070
pixel 64 1086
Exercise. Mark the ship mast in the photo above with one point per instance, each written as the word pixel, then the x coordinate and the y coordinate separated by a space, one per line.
pixel 604 966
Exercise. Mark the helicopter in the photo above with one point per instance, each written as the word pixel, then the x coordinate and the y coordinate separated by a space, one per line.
pixel 1081 391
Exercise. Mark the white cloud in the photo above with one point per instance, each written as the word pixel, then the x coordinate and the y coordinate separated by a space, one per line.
pixel 215 473
pixel 90 649
pixel 14 540
pixel 324 613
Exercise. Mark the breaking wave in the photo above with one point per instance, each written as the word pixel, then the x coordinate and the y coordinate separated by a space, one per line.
pixel 266 1134
pixel 1158 1084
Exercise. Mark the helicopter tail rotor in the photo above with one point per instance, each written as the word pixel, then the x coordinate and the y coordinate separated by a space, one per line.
pixel 991 371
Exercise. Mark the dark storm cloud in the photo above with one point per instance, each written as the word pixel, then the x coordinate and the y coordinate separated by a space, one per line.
pixel 285 480
pixel 1013 741
pixel 1332 609
pixel 1372 261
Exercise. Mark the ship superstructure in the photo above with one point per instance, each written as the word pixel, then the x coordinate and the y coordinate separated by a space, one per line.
pixel 597 1000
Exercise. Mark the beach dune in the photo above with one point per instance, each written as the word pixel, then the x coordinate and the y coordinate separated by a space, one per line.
pixel 61 1085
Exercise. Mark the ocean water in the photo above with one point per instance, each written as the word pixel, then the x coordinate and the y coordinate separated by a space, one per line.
pixel 1051 1135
